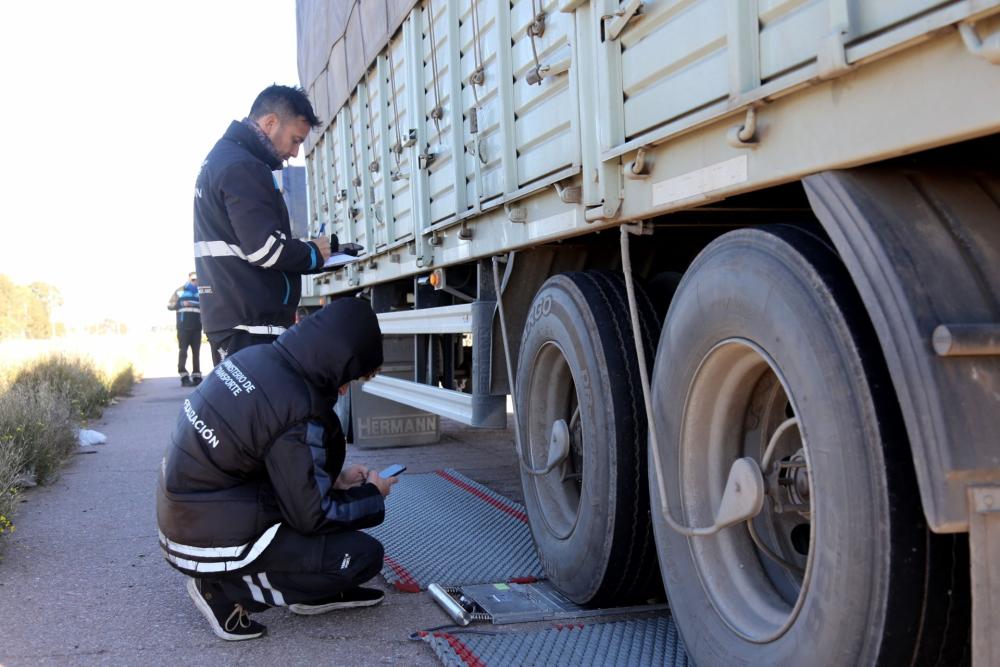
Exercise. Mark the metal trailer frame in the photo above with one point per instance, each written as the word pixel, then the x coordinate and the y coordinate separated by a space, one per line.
pixel 805 121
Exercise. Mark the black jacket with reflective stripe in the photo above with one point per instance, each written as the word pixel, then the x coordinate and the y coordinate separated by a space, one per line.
pixel 257 444
pixel 248 264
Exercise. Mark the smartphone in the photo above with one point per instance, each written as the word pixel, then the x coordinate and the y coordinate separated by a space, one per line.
pixel 392 470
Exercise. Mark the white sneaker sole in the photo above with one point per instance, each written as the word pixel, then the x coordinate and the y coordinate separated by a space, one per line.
pixel 314 609
pixel 206 611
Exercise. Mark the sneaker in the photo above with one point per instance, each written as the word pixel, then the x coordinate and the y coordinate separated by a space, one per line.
pixel 195 379
pixel 229 620
pixel 353 597
pixel 185 380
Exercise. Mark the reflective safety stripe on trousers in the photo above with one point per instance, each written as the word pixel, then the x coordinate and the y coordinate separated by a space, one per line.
pixel 258 591
pixel 276 595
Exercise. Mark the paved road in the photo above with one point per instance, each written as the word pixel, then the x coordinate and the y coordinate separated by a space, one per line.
pixel 82 580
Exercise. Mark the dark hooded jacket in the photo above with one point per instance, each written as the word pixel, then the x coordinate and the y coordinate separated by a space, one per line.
pixel 258 446
pixel 248 264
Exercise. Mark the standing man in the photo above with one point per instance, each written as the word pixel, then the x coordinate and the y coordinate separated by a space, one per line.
pixel 185 302
pixel 248 261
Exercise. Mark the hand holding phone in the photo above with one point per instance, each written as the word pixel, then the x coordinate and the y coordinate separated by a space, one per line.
pixel 392 470
pixel 385 479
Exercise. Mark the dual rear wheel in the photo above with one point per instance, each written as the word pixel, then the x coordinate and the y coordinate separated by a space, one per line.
pixel 766 353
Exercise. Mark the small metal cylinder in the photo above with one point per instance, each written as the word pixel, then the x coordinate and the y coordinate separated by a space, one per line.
pixel 452 608
pixel 965 340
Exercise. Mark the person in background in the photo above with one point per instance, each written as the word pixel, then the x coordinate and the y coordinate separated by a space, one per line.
pixel 185 303
pixel 254 502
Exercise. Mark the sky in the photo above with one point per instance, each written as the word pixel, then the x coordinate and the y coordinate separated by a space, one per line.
pixel 109 109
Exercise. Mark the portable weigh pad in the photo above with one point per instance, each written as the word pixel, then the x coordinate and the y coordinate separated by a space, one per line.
pixel 443 527
pixel 637 643
pixel 503 603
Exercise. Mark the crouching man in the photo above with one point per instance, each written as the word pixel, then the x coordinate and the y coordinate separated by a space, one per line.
pixel 253 502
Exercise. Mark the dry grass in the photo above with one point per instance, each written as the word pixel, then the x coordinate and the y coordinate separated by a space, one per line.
pixel 42 404
pixel 49 388
pixel 77 380
pixel 37 429
pixel 37 433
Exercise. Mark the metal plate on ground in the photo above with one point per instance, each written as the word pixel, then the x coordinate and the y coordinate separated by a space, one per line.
pixel 506 603
pixel 444 527
pixel 645 642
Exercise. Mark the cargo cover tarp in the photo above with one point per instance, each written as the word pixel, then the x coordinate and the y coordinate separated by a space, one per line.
pixel 337 40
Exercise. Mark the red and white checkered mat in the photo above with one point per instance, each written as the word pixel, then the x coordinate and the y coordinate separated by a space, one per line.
pixel 444 528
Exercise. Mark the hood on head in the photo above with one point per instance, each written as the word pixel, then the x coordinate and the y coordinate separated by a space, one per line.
pixel 337 344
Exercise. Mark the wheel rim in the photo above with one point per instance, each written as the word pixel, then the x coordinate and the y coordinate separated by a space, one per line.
pixel 552 396
pixel 756 574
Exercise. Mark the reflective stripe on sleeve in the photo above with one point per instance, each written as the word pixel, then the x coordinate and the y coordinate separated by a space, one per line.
pixel 260 254
pixel 274 258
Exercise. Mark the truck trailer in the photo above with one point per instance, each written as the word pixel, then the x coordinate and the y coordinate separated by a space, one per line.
pixel 737 265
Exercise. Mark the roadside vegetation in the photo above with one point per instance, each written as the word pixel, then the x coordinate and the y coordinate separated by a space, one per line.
pixel 42 406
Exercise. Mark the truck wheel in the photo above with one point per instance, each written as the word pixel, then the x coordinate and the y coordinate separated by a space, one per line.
pixel 766 347
pixel 577 372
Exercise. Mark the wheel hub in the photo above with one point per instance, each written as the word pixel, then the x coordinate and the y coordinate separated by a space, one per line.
pixel 554 423
pixel 755 572
pixel 788 485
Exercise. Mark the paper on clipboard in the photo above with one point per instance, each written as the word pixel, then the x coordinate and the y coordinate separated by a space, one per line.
pixel 338 259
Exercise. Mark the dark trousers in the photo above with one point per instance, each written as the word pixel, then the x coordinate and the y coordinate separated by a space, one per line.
pixel 225 343
pixel 189 338
pixel 301 569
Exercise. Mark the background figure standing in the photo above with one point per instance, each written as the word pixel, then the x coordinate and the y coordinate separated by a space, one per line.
pixel 186 303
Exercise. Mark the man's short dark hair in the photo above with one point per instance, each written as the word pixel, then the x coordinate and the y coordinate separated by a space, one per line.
pixel 288 102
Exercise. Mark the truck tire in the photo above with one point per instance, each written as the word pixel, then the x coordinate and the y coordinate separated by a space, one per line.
pixel 766 346
pixel 590 515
